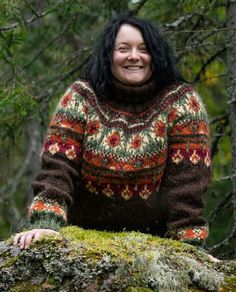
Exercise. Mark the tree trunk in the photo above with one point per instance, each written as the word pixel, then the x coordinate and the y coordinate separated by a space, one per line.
pixel 231 60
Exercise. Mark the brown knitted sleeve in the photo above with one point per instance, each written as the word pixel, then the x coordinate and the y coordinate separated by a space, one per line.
pixel 187 173
pixel 61 157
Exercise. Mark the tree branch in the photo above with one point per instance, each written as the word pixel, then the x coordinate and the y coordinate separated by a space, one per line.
pixel 229 177
pixel 225 242
pixel 220 128
pixel 219 119
pixel 138 8
pixel 33 10
pixel 49 92
pixel 178 22
pixel 219 208
pixel 213 77
pixel 209 61
pixel 47 45
pixel 28 21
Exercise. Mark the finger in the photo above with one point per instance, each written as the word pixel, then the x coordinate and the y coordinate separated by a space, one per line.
pixel 22 241
pixel 29 237
pixel 16 238
pixel 37 236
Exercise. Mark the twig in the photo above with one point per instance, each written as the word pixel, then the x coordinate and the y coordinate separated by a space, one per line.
pixel 209 61
pixel 229 177
pixel 34 11
pixel 220 128
pixel 203 30
pixel 219 119
pixel 202 36
pixel 47 94
pixel 225 242
pixel 28 21
pixel 179 21
pixel 219 208
pixel 138 8
pixel 180 52
pixel 232 100
pixel 213 77
pixel 46 46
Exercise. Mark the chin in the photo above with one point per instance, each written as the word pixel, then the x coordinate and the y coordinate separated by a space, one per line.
pixel 134 81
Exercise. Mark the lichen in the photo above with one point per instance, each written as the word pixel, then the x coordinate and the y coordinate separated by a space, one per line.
pixel 89 260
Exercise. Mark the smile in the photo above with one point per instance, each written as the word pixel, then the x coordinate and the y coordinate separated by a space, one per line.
pixel 133 68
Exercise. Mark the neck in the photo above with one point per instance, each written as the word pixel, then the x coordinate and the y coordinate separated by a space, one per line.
pixel 132 99
pixel 133 94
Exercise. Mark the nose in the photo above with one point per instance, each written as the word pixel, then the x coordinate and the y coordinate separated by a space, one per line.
pixel 133 55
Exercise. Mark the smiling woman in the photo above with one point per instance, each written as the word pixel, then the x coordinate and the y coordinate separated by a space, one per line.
pixel 128 146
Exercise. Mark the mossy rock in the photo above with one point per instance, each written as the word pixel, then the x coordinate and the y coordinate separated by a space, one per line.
pixel 89 260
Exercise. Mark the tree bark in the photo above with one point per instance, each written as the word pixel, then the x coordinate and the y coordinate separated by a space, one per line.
pixel 231 61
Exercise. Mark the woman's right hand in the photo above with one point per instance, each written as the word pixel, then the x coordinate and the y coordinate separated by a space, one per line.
pixel 25 238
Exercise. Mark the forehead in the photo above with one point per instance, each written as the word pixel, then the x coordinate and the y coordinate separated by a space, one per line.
pixel 129 34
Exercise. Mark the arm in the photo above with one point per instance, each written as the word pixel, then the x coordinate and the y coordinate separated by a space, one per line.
pixel 187 173
pixel 61 157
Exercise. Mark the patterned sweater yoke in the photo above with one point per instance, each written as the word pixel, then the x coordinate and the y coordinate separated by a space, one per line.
pixel 139 152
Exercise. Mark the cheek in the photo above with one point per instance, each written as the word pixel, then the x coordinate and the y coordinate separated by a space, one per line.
pixel 117 59
pixel 116 67
pixel 148 60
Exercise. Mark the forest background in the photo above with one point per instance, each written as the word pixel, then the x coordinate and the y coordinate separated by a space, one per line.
pixel 44 45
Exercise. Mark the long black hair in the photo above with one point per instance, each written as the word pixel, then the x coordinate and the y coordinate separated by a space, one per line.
pixel 98 70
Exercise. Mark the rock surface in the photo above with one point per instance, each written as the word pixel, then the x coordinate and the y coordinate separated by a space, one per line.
pixel 88 260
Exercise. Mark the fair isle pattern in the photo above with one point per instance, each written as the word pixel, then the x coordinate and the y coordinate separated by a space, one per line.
pixel 47 207
pixel 66 128
pixel 128 152
pixel 190 234
pixel 125 154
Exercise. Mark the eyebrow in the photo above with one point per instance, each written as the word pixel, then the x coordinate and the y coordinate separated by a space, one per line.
pixel 126 43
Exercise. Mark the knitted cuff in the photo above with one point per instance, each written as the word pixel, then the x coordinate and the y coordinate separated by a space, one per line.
pixel 42 206
pixel 47 214
pixel 194 234
pixel 44 224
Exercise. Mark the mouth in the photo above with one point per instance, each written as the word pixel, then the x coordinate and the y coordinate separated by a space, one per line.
pixel 133 68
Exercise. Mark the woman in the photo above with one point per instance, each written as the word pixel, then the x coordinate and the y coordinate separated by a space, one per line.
pixel 128 146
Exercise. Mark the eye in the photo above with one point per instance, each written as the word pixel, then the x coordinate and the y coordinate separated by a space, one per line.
pixel 123 49
pixel 143 50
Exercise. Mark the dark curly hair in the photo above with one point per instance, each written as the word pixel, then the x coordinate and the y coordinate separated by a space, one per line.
pixel 98 70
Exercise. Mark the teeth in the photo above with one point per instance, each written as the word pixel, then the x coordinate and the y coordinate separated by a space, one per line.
pixel 133 67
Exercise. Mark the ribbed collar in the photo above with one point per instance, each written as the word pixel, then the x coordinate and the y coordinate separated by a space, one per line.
pixel 133 99
pixel 133 94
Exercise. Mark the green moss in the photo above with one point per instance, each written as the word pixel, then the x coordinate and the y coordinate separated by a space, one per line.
pixel 229 284
pixel 10 262
pixel 51 280
pixel 120 244
pixel 139 289
pixel 99 260
pixel 25 287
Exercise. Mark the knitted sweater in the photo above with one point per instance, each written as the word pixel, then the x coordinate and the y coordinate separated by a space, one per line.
pixel 112 165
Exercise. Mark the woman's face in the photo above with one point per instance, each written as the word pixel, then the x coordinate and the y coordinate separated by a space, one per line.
pixel 131 61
